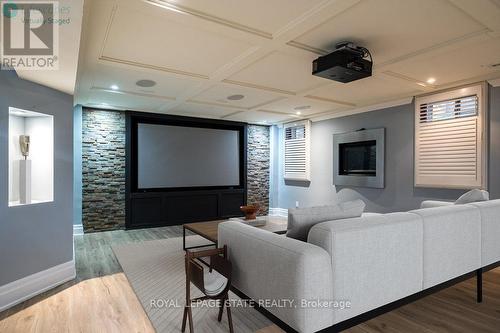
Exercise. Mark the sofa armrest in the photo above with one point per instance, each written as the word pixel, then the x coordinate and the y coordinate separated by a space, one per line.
pixel 435 203
pixel 270 267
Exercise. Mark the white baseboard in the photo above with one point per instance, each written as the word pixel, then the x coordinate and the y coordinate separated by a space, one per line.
pixel 77 230
pixel 278 212
pixel 20 290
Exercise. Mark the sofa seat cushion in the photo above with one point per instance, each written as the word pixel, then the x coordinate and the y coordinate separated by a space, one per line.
pixel 300 220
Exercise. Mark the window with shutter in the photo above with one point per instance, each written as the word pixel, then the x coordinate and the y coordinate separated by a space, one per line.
pixel 297 146
pixel 449 145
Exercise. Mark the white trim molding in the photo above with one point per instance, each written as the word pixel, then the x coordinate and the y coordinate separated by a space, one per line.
pixel 369 108
pixel 20 290
pixel 77 230
pixel 495 82
pixel 278 212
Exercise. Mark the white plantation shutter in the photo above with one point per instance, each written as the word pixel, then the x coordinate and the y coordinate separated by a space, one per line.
pixel 449 145
pixel 297 150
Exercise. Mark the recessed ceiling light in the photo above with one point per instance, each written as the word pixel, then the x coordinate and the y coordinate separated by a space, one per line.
pixel 235 97
pixel 114 87
pixel 146 83
pixel 298 113
pixel 303 107
pixel 431 80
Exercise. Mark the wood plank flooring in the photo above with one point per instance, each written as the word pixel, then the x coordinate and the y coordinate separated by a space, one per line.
pixel 100 299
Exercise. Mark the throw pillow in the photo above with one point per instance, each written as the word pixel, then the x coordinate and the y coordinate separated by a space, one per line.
pixel 301 220
pixel 473 196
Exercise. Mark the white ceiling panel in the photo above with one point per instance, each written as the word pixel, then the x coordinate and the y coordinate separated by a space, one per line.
pixel 202 51
pixel 393 28
pixel 125 101
pixel 455 65
pixel 264 15
pixel 125 79
pixel 373 89
pixel 201 110
pixel 220 93
pixel 305 106
pixel 284 71
pixel 64 78
pixel 259 117
pixel 159 42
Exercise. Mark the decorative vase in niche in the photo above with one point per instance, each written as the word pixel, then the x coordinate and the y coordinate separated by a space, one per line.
pixel 24 171
pixel 24 142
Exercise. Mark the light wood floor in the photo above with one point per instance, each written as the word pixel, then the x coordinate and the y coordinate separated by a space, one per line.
pixel 101 300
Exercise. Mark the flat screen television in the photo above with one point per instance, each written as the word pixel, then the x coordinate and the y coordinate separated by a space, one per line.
pixel 187 157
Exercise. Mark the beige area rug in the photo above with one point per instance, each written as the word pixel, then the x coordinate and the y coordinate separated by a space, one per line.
pixel 155 269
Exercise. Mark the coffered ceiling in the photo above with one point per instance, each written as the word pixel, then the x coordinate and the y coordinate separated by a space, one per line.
pixel 251 60
pixel 63 79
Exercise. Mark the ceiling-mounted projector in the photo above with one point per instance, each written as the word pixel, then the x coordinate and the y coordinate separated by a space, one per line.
pixel 347 63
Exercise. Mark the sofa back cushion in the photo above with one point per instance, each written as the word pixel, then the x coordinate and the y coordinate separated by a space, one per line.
pixel 301 220
pixel 474 195
pixel 375 259
pixel 452 242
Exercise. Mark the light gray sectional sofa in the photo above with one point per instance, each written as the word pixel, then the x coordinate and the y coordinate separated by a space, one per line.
pixel 368 261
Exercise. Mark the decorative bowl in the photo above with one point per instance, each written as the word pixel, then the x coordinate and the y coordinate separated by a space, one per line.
pixel 250 211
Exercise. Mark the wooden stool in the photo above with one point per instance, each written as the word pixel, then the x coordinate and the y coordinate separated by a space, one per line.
pixel 214 283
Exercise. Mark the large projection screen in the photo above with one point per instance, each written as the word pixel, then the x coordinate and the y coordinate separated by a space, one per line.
pixel 177 156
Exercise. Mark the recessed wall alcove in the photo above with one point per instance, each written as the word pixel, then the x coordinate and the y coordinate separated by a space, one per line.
pixel 31 157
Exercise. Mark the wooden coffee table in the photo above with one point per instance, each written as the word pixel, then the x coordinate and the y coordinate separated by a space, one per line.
pixel 209 230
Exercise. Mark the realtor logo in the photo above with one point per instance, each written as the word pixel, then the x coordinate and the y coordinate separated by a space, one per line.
pixel 30 34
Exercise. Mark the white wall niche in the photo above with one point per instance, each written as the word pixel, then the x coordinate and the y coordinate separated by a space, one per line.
pixel 31 178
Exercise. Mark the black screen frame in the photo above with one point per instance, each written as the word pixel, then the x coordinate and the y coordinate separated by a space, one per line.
pixel 135 118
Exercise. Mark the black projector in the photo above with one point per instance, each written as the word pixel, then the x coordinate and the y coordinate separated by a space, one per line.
pixel 347 63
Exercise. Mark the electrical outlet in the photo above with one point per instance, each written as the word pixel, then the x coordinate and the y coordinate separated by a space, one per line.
pixel 296 204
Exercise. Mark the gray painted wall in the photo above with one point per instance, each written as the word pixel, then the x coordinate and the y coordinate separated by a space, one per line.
pixel 399 193
pixel 36 237
pixel 494 162
pixel 77 165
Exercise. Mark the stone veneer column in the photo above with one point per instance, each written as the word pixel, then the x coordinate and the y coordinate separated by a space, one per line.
pixel 258 159
pixel 103 170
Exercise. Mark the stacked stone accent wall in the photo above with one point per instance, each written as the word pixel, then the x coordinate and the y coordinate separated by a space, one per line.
pixel 258 159
pixel 103 170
